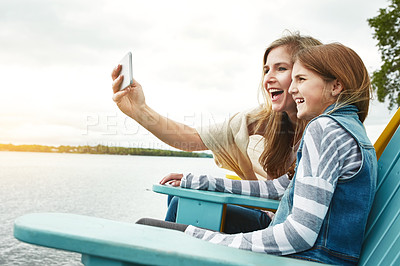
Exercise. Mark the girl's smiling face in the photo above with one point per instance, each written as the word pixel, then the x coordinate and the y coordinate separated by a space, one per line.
pixel 277 79
pixel 311 93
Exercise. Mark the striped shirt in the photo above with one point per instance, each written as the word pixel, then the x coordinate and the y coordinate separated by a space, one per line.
pixel 329 154
pixel 271 189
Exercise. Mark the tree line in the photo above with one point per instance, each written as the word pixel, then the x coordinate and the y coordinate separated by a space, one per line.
pixel 386 80
pixel 101 149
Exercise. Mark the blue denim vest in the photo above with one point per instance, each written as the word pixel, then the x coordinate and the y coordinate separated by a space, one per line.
pixel 342 232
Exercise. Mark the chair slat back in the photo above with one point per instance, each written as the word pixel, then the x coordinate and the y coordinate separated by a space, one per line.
pixel 382 239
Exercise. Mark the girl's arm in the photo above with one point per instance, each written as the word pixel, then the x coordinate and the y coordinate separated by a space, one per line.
pixel 271 189
pixel 131 101
pixel 329 152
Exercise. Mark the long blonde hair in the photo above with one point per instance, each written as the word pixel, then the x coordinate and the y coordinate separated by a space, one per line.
pixel 336 61
pixel 280 135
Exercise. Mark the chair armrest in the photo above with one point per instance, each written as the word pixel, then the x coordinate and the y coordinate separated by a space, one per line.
pixel 217 197
pixel 106 242
pixel 206 209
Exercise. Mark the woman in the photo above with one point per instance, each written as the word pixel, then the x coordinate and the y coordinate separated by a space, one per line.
pixel 274 126
pixel 323 214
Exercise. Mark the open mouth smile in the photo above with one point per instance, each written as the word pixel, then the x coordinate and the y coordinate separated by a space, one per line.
pixel 275 93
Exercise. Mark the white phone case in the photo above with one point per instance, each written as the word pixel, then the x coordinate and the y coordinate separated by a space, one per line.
pixel 126 71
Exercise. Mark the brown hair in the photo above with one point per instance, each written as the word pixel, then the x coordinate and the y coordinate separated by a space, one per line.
pixel 280 135
pixel 336 61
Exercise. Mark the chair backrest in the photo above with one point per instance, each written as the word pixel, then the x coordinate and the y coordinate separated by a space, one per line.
pixel 387 134
pixel 382 239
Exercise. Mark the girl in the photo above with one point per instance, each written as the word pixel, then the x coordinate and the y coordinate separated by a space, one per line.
pixel 323 213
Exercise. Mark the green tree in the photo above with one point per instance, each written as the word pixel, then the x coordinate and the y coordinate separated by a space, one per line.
pixel 386 80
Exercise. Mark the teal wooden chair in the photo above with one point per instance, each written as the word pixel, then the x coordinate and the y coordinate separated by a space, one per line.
pixel 382 239
pixel 106 242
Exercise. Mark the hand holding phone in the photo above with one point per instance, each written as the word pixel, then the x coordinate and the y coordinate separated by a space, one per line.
pixel 126 71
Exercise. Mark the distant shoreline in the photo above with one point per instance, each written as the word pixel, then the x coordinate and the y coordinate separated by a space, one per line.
pixel 101 149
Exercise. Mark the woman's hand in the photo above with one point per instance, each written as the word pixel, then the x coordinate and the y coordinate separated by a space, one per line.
pixel 172 179
pixel 130 100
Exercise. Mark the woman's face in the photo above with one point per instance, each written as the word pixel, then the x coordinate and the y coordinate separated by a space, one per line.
pixel 277 79
pixel 311 93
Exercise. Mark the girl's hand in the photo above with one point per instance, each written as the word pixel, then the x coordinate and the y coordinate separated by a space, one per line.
pixel 130 100
pixel 172 179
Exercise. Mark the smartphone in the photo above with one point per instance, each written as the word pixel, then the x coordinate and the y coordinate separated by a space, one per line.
pixel 126 71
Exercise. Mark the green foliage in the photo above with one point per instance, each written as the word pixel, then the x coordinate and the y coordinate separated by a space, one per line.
pixel 101 149
pixel 386 80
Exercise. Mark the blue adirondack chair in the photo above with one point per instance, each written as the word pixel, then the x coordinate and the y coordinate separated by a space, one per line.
pixel 106 242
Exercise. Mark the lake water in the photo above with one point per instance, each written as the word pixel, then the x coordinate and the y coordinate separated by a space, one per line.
pixel 107 186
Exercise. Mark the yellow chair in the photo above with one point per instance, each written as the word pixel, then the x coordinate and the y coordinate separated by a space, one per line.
pixel 233 177
pixel 387 134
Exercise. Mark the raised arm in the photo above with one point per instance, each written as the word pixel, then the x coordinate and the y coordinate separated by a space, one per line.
pixel 131 102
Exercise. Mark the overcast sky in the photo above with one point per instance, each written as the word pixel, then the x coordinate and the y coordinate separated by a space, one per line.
pixel 198 61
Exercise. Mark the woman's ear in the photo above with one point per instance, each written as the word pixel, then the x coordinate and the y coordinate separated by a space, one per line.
pixel 337 88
